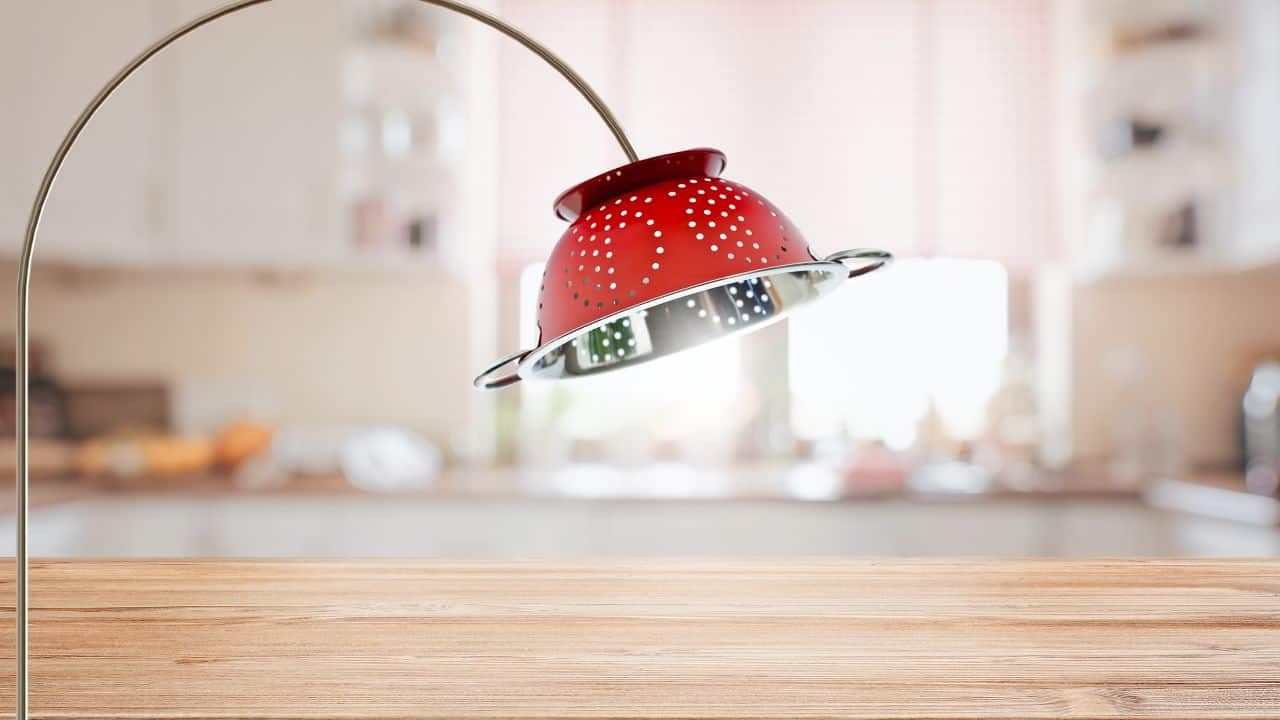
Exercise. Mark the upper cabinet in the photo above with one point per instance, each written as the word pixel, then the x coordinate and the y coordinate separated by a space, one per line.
pixel 293 134
pixel 108 202
pixel 255 112
pixel 1258 160
pixel 1170 160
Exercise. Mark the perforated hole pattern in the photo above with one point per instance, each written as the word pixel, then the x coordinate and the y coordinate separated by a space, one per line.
pixel 660 239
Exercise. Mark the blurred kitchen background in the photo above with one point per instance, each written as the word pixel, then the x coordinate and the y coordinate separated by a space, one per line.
pixel 275 260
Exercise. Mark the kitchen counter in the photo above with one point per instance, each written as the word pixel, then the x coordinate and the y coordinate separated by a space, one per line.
pixel 664 481
pixel 722 639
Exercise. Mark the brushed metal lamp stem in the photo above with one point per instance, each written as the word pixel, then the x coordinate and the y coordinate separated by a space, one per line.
pixel 22 370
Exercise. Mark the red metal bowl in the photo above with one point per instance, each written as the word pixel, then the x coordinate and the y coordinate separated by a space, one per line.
pixel 661 255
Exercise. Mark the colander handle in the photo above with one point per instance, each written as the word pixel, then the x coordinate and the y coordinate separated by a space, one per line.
pixel 867 259
pixel 486 379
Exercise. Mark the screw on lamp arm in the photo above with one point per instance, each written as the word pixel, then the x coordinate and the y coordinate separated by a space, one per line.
pixel 22 371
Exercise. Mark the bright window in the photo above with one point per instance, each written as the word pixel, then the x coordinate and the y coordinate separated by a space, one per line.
pixel 873 358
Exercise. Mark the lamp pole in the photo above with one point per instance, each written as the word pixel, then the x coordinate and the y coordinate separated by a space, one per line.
pixel 22 370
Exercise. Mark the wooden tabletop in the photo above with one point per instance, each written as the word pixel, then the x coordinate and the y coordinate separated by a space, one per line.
pixel 619 639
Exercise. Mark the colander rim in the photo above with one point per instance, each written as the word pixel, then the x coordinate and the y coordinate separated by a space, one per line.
pixel 579 199
pixel 526 363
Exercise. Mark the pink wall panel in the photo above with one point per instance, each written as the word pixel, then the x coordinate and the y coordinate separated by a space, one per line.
pixel 992 120
pixel 921 127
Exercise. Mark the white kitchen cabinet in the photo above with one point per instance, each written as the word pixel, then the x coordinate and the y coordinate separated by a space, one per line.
pixel 220 151
pixel 107 203
pixel 735 528
pixel 256 108
pixel 1092 528
pixel 510 527
pixel 224 150
pixel 277 111
pixel 386 526
pixel 1257 228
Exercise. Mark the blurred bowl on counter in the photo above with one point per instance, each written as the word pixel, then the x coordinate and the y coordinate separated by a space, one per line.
pixel 389 459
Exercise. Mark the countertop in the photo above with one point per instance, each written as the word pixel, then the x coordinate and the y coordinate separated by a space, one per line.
pixel 785 481
pixel 615 639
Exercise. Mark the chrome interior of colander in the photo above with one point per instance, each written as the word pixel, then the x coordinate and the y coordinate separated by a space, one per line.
pixel 682 320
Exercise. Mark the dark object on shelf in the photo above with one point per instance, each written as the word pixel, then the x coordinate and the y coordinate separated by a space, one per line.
pixel 48 402
pixel 1143 134
pixel 422 234
pixel 99 409
pixel 1179 229
pixel 48 407
pixel 1125 135
pixel 1128 41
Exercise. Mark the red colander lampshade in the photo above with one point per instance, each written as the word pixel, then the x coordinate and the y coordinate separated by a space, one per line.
pixel 662 255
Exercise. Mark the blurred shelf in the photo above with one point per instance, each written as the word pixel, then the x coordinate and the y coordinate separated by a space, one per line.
pixel 1165 174
pixel 1123 76
pixel 387 73
pixel 1201 262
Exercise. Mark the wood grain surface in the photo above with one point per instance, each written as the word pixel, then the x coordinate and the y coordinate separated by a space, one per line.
pixel 619 639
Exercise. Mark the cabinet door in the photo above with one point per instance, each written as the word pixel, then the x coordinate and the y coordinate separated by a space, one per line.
pixel 1257 157
pixel 256 108
pixel 53 57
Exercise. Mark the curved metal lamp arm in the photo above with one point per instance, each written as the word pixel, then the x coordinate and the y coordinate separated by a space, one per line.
pixel 22 371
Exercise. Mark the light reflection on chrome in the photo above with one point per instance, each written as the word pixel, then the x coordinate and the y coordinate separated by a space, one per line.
pixel 684 321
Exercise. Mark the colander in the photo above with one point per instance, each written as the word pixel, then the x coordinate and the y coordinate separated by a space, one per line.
pixel 662 255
